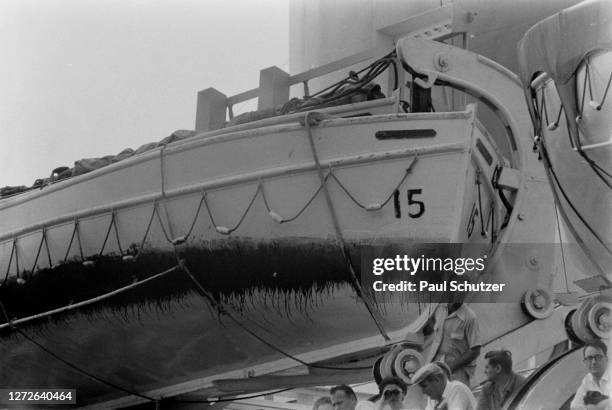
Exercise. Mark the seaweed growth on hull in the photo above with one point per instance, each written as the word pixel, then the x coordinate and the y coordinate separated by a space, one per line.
pixel 282 275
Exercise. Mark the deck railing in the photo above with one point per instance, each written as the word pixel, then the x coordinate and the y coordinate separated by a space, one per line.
pixel 213 107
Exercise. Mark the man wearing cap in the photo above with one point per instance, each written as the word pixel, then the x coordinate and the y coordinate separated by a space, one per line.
pixel 443 394
pixel 456 340
pixel 502 382
pixel 594 391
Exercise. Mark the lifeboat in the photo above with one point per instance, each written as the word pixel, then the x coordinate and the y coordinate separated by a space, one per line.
pixel 238 251
pixel 568 93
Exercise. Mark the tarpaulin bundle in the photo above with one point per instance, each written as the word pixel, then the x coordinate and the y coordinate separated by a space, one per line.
pixel 86 165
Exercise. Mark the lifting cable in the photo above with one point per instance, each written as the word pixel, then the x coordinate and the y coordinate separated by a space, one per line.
pixel 570 203
pixel 223 312
pixel 561 243
pixel 339 236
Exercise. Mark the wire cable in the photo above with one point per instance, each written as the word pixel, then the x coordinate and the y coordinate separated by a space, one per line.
pixel 70 364
pixel 567 199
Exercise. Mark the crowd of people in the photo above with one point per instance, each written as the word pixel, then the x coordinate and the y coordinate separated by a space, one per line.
pixel 445 381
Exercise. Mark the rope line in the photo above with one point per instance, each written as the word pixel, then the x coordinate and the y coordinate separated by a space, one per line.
pixel 68 363
pixel 205 293
pixel 482 224
pixel 556 123
pixel 288 355
pixel 222 229
pixel 161 224
pixel 541 111
pixel 339 236
pixel 562 252
pixel 389 197
pixel 16 256
pixel 543 108
pixel 603 100
pixel 78 235
pixel 223 312
pixel 584 88
pixel 299 213
pixel 491 220
pixel 117 234
pixel 42 239
pixel 195 218
pixel 8 268
pixel 588 71
pixel 570 203
pixel 88 301
pixel 110 226
pixel 47 247
pixel 144 238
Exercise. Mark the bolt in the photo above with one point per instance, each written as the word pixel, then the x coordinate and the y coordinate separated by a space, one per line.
pixel 533 261
pixel 604 321
pixel 441 62
pixel 539 301
pixel 521 217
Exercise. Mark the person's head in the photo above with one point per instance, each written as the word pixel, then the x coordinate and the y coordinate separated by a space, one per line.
pixel 432 380
pixel 595 356
pixel 499 362
pixel 343 397
pixel 392 391
pixel 322 403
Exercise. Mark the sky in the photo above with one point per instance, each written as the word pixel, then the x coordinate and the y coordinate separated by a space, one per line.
pixel 88 78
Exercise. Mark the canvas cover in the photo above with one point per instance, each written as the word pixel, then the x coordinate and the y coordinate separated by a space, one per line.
pixel 559 44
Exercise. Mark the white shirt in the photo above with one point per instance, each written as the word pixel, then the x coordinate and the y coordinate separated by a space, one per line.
pixel 588 384
pixel 456 396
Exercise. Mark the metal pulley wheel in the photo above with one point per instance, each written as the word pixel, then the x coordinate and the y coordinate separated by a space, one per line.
pixel 376 374
pixel 600 319
pixel 386 365
pixel 580 320
pixel 407 362
pixel 592 320
pixel 569 328
pixel 401 361
pixel 537 303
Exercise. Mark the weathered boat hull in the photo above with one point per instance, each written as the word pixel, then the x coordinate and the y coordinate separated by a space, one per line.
pixel 178 266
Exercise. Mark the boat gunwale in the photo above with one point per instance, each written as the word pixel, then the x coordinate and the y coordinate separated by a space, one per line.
pixel 432 150
pixel 216 137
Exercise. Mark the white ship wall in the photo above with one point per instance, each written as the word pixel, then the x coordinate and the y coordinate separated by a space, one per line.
pixel 322 31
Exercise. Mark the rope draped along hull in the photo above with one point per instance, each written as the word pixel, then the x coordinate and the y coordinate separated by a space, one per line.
pixel 184 264
pixel 571 106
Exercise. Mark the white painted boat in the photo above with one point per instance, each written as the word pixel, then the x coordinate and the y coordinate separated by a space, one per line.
pixel 571 106
pixel 237 251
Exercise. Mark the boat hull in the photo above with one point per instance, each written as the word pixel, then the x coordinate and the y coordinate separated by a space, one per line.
pixel 219 256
